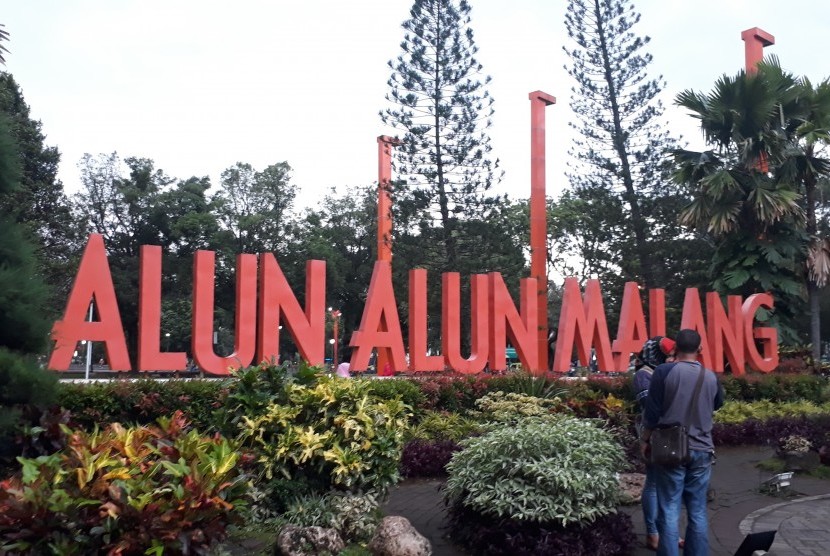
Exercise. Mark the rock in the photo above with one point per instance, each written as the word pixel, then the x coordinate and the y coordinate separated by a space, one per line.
pixel 395 536
pixel 309 541
pixel 631 487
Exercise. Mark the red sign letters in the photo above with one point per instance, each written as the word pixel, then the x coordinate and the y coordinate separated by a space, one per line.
pixel 264 301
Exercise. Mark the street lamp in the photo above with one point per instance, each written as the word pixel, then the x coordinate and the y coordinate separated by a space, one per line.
pixel 167 341
pixel 335 341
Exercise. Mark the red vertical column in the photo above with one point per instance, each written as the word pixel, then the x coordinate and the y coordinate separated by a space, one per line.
pixel 385 144
pixel 755 40
pixel 538 219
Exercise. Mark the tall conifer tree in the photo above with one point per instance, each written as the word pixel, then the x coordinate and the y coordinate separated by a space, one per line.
pixel 623 148
pixel 440 104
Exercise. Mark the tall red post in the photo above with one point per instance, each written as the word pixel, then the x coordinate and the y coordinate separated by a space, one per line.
pixel 538 220
pixel 385 144
pixel 755 40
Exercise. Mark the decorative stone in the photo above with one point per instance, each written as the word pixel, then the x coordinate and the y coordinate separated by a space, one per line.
pixel 395 536
pixel 631 487
pixel 309 541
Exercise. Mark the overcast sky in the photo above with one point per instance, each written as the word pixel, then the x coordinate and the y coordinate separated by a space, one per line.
pixel 199 85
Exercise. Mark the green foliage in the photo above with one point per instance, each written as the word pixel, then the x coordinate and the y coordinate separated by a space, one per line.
pixel 23 295
pixel 142 401
pixel 761 410
pixel 513 407
pixel 124 490
pixel 26 390
pixel 526 383
pixel 620 217
pixel 335 432
pixel 38 208
pixel 562 470
pixel 443 425
pixel 443 110
pixel 456 393
pixel 402 389
pixel 776 387
pixel 355 516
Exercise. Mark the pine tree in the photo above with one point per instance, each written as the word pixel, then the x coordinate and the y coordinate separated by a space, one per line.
pixel 40 203
pixel 440 104
pixel 623 148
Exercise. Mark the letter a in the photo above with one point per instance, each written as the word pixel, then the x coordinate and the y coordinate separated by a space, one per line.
pixel 379 325
pixel 93 281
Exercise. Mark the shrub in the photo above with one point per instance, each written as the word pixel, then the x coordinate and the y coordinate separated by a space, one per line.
pixel 143 401
pixel 355 516
pixel 776 387
pixel 123 490
pixel 611 534
pixel 539 471
pixel 525 383
pixel 513 407
pixel 26 390
pixel 335 433
pixel 761 410
pixel 398 388
pixel 752 431
pixel 427 458
pixel 455 392
pixel 442 425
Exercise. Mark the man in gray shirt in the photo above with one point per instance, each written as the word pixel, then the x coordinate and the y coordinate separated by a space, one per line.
pixel 669 400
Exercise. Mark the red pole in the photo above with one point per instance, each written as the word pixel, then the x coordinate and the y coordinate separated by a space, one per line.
pixel 538 218
pixel 755 40
pixel 385 144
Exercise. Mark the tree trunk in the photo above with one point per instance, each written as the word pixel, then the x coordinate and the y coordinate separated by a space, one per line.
pixel 812 287
pixel 443 201
pixel 637 221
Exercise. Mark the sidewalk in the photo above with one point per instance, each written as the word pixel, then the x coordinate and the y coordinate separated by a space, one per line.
pixel 739 508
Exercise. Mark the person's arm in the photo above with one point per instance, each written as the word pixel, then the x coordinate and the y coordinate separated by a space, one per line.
pixel 719 396
pixel 656 394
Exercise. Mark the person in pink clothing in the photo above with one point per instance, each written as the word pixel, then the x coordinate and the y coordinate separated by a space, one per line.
pixel 343 370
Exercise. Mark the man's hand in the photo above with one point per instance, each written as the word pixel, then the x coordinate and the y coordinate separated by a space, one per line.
pixel 645 449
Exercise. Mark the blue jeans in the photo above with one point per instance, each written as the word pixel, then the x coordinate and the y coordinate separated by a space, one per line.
pixel 650 500
pixel 688 485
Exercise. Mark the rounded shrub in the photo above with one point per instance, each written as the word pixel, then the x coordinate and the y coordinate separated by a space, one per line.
pixel 539 486
pixel 561 470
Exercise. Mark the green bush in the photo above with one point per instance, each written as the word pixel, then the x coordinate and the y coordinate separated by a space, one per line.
pixel 561 470
pixel 398 388
pixel 442 425
pixel 124 491
pixel 512 407
pixel 528 384
pixel 142 401
pixel 355 516
pixel 335 433
pixel 26 390
pixel 776 387
pixel 761 410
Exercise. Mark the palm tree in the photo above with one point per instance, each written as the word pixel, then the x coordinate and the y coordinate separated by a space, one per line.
pixel 803 162
pixel 764 130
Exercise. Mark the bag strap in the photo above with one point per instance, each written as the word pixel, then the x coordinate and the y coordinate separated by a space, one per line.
pixel 695 395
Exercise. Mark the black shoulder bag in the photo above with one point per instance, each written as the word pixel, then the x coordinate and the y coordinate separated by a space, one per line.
pixel 670 443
